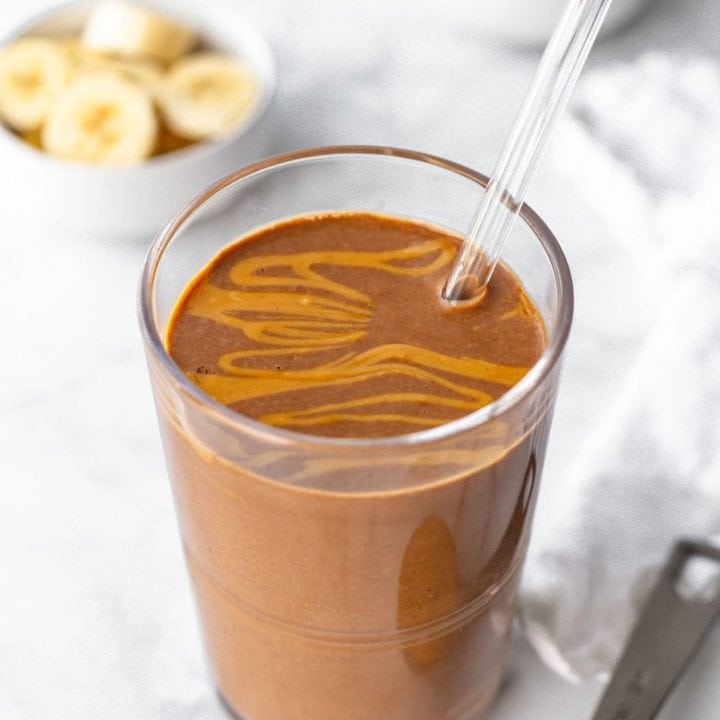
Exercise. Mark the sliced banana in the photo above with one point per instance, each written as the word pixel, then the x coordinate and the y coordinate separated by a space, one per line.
pixel 33 72
pixel 102 118
pixel 145 72
pixel 135 32
pixel 205 95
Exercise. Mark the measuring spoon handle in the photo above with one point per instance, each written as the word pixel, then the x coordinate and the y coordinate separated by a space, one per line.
pixel 667 635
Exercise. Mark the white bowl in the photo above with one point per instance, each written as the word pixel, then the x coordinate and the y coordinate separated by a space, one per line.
pixel 137 200
pixel 532 21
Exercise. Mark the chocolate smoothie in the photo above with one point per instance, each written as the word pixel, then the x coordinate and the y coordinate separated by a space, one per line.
pixel 332 594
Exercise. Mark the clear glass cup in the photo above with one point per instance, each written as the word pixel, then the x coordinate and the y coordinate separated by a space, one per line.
pixel 341 579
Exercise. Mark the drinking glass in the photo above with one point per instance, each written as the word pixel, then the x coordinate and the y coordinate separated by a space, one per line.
pixel 352 579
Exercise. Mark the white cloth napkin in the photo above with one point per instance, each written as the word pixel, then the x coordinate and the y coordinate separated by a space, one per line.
pixel 643 376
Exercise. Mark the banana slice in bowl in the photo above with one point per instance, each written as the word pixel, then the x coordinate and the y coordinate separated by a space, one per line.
pixel 33 73
pixel 206 95
pixel 135 31
pixel 146 73
pixel 102 118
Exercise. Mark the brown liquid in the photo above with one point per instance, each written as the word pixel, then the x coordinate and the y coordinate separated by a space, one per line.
pixel 327 605
pixel 332 325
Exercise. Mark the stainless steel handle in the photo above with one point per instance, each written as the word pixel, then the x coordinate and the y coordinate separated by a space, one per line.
pixel 668 633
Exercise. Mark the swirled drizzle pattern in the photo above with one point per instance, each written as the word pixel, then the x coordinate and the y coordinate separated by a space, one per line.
pixel 287 306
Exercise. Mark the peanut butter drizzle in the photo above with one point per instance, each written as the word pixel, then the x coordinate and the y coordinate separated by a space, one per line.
pixel 286 306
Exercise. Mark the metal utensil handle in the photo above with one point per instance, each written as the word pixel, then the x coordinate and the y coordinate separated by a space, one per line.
pixel 670 630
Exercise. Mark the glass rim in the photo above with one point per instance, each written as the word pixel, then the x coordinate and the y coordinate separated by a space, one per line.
pixel 153 336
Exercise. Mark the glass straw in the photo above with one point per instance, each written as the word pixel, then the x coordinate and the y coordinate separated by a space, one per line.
pixel 495 217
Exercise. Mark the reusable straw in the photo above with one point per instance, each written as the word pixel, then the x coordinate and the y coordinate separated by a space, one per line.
pixel 495 217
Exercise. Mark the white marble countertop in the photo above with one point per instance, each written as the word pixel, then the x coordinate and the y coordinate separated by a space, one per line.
pixel 96 618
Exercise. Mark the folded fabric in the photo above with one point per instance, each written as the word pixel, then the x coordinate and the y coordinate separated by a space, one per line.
pixel 642 395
